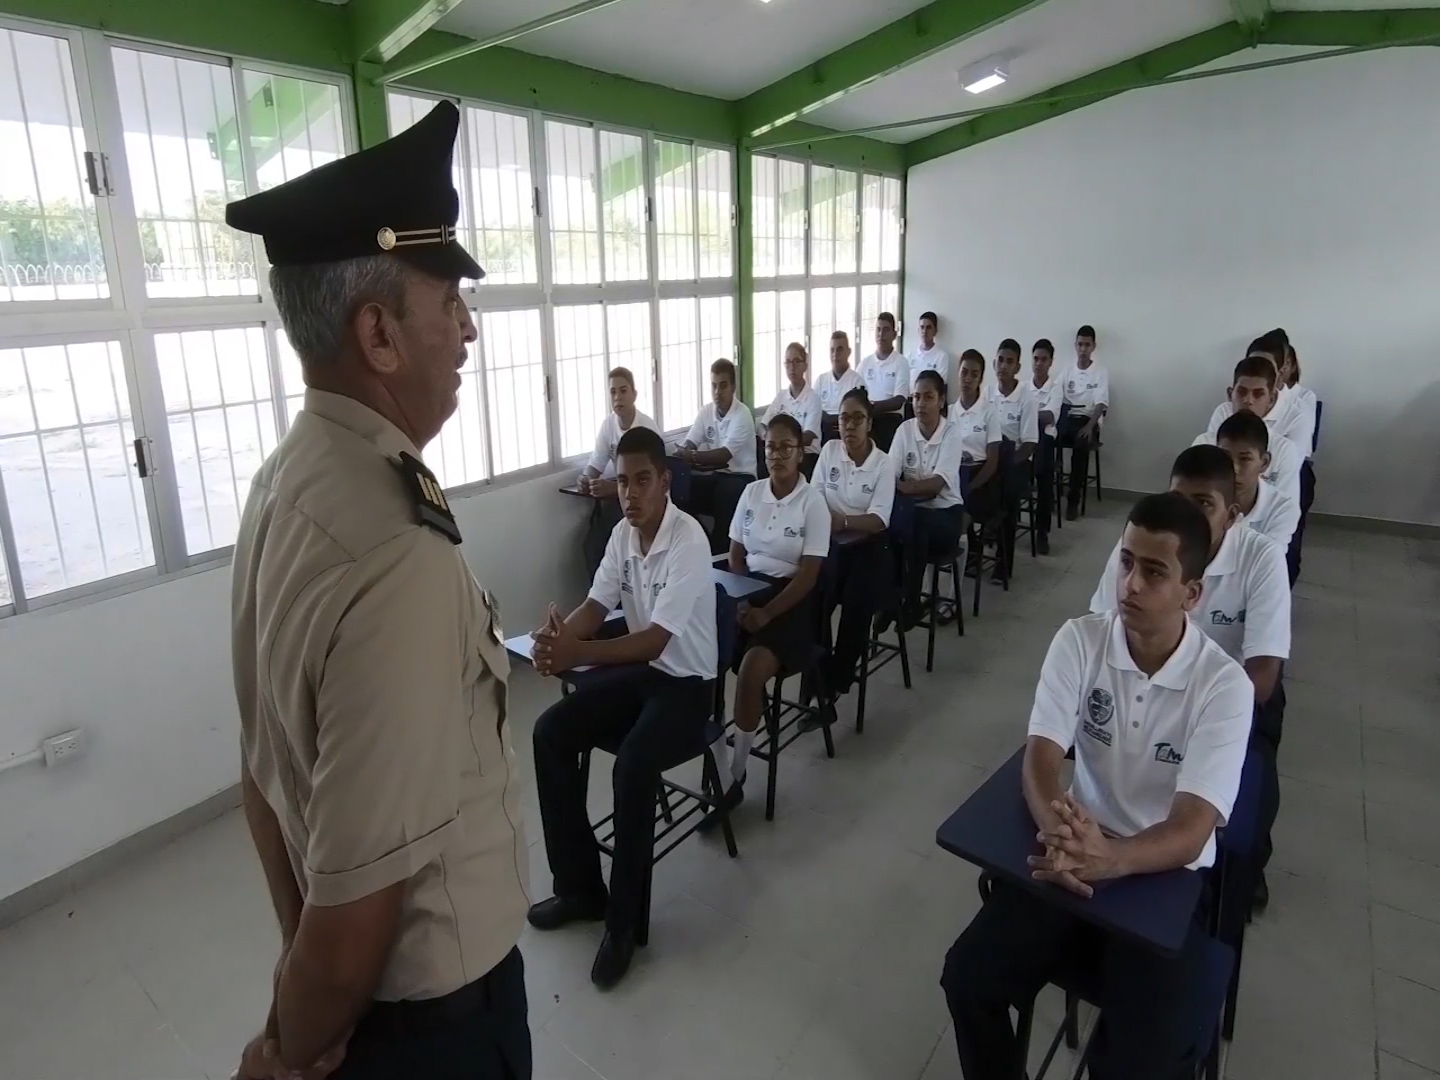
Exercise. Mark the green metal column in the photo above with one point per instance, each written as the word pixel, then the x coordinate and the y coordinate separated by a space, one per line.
pixel 372 121
pixel 745 274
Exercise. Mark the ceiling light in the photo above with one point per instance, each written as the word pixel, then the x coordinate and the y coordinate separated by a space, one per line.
pixel 985 75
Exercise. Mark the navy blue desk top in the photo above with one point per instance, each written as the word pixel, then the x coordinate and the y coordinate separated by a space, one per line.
pixel 994 830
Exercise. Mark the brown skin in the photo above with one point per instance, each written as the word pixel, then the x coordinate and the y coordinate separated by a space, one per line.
pixel 722 392
pixel 1084 356
pixel 622 404
pixel 1154 601
pixel 884 346
pixel 1252 394
pixel 797 372
pixel 972 376
pixel 927 403
pixel 1040 362
pixel 839 356
pixel 855 426
pixel 564 644
pixel 927 334
pixel 1250 465
pixel 1007 373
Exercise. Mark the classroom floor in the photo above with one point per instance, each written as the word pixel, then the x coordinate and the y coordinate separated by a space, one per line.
pixel 816 953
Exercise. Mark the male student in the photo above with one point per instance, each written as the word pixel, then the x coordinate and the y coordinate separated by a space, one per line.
pixel 832 386
pixel 598 476
pixel 1084 398
pixel 1287 414
pixel 1045 387
pixel 885 374
pixel 650 710
pixel 932 357
pixel 721 447
pixel 1015 406
pixel 1158 716
pixel 1246 438
pixel 799 399
pixel 1245 608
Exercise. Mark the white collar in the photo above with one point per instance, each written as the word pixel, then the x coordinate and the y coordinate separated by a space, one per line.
pixel 1002 396
pixel 872 459
pixel 794 396
pixel 1174 674
pixel 1264 495
pixel 664 535
pixel 939 431
pixel 1227 558
pixel 979 400
pixel 767 493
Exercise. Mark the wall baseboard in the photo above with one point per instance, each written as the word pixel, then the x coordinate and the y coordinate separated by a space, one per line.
pixel 58 886
pixel 1382 526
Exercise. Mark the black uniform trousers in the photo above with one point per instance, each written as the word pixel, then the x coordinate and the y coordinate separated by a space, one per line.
pixel 479 1032
pixel 1265 732
pixel 1067 434
pixel 1044 482
pixel 934 533
pixel 1307 498
pixel 859 584
pixel 1014 483
pixel 651 722
pixel 1018 942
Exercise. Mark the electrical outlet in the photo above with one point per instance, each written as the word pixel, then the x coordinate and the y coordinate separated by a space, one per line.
pixel 62 748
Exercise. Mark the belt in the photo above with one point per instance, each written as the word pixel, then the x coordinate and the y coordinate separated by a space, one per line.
pixel 389 1019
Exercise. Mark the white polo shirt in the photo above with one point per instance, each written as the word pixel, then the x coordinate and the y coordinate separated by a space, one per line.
pixel 938 360
pixel 735 431
pixel 1273 515
pixel 1083 389
pixel 979 427
pixel 1047 399
pixel 671 586
pixel 832 391
pixel 777 533
pixel 914 457
pixel 1138 739
pixel 602 458
pixel 805 409
pixel 1288 418
pixel 886 378
pixel 856 490
pixel 1285 461
pixel 1305 399
pixel 1018 412
pixel 1245 606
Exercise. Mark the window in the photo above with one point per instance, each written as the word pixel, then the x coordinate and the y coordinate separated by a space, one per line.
pixel 501 188
pixel 831 310
pixel 833 221
pixel 515 381
pixel 693 210
pixel 295 125
pixel 622 199
pixel 694 333
pixel 714 169
pixel 581 370
pixel 881 225
pixel 779 320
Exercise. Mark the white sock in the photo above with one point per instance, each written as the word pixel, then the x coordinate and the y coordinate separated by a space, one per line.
pixel 744 740
pixel 720 749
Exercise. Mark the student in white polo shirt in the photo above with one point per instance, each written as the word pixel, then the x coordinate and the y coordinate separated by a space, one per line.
pixel 1158 717
pixel 1084 401
pixel 1015 404
pixel 650 711
pixel 780 534
pixel 886 376
pixel 832 386
pixel 1285 414
pixel 800 400
pixel 931 356
pixel 597 479
pixel 925 458
pixel 1305 400
pixel 978 423
pixel 855 477
pixel 1246 438
pixel 1045 386
pixel 1245 608
pixel 721 447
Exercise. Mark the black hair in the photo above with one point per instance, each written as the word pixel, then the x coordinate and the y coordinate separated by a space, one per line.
pixel 622 373
pixel 1272 344
pixel 726 368
pixel 1208 465
pixel 793 345
pixel 932 317
pixel 1086 331
pixel 641 440
pixel 1256 367
pixel 789 424
pixel 885 316
pixel 935 379
pixel 977 356
pixel 1246 428
pixel 1170 512
pixel 1044 343
pixel 1009 345
pixel 840 335
pixel 1294 366
pixel 862 395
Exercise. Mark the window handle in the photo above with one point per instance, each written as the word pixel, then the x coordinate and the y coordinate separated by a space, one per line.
pixel 142 463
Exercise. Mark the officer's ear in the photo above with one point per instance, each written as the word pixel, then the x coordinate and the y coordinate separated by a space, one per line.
pixel 375 328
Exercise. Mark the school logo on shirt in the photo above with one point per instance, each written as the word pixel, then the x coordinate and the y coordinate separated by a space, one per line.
pixel 867 489
pixel 655 588
pixel 749 520
pixel 834 475
pixel 791 531
pixel 1166 754
pixel 1219 618
pixel 910 458
pixel 625 586
pixel 1099 709
pixel 710 433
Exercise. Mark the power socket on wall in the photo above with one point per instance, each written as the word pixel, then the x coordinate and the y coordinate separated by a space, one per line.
pixel 63 748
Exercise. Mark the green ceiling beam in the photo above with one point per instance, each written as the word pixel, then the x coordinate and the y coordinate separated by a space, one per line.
pixel 1341 28
pixel 1178 56
pixel 852 152
pixel 380 29
pixel 901 43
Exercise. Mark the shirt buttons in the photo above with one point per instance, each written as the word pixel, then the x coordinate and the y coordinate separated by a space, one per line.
pixel 1134 723
pixel 1139 697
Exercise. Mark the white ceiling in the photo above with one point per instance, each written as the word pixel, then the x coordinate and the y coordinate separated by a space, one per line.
pixel 724 48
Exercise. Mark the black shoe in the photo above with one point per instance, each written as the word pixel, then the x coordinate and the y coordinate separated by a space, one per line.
pixel 1072 512
pixel 823 715
pixel 561 911
pixel 727 804
pixel 613 959
pixel 883 622
pixel 1261 899
pixel 1042 543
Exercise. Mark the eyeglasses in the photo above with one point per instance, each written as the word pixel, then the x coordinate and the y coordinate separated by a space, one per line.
pixel 780 451
pixel 852 419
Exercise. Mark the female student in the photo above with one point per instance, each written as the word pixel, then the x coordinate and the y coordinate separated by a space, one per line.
pixel 978 422
pixel 925 461
pixel 780 534
pixel 855 478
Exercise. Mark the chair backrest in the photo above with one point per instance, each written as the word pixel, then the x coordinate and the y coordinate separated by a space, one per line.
pixel 679 480
pixel 726 608
pixel 1315 435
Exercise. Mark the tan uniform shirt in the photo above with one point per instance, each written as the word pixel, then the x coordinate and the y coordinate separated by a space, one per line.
pixel 371 680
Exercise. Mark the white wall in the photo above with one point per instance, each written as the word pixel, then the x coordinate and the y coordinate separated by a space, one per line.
pixel 1184 221
pixel 147 675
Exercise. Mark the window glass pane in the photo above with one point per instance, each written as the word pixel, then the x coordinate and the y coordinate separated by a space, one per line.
pixel 880 224
pixel 49 236
pixel 570 199
pixel 832 221
pixel 894 223
pixel 502 189
pixel 715 169
pixel 873 300
pixel 295 125
pixel 76 504
pixel 182 144
pixel 292 382
pixel 627 333
pixel 764 214
pixel 515 382
pixel 622 193
pixel 830 310
pixel 580 371
pixel 779 320
pixel 457 454
pixel 674 210
pixel 717 332
pixel 220 409
pixel 680 362
pixel 792 217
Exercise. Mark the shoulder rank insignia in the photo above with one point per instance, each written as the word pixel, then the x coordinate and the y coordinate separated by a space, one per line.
pixel 431 509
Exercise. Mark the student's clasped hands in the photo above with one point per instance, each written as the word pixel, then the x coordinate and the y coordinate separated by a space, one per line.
pixel 1076 853
pixel 261 1061
pixel 555 644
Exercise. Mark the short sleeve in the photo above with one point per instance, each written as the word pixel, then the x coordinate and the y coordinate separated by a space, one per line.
pixel 1104 597
pixel 391 715
pixel 1284 521
pixel 1029 419
pixel 1267 605
pixel 741 442
pixel 817 524
pixel 810 421
pixel 737 533
pixel 600 456
pixel 696 434
pixel 1102 388
pixel 773 411
pixel 688 583
pixel 1215 750
pixel 902 374
pixel 1285 463
pixel 605 589
pixel 1218 417
pixel 1056 711
pixel 952 449
pixel 882 499
pixel 994 426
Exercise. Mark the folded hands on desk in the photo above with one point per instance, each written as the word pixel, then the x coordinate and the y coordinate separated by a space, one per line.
pixel 556 646
pixel 1077 851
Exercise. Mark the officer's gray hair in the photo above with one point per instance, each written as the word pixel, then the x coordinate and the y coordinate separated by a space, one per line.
pixel 316 302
